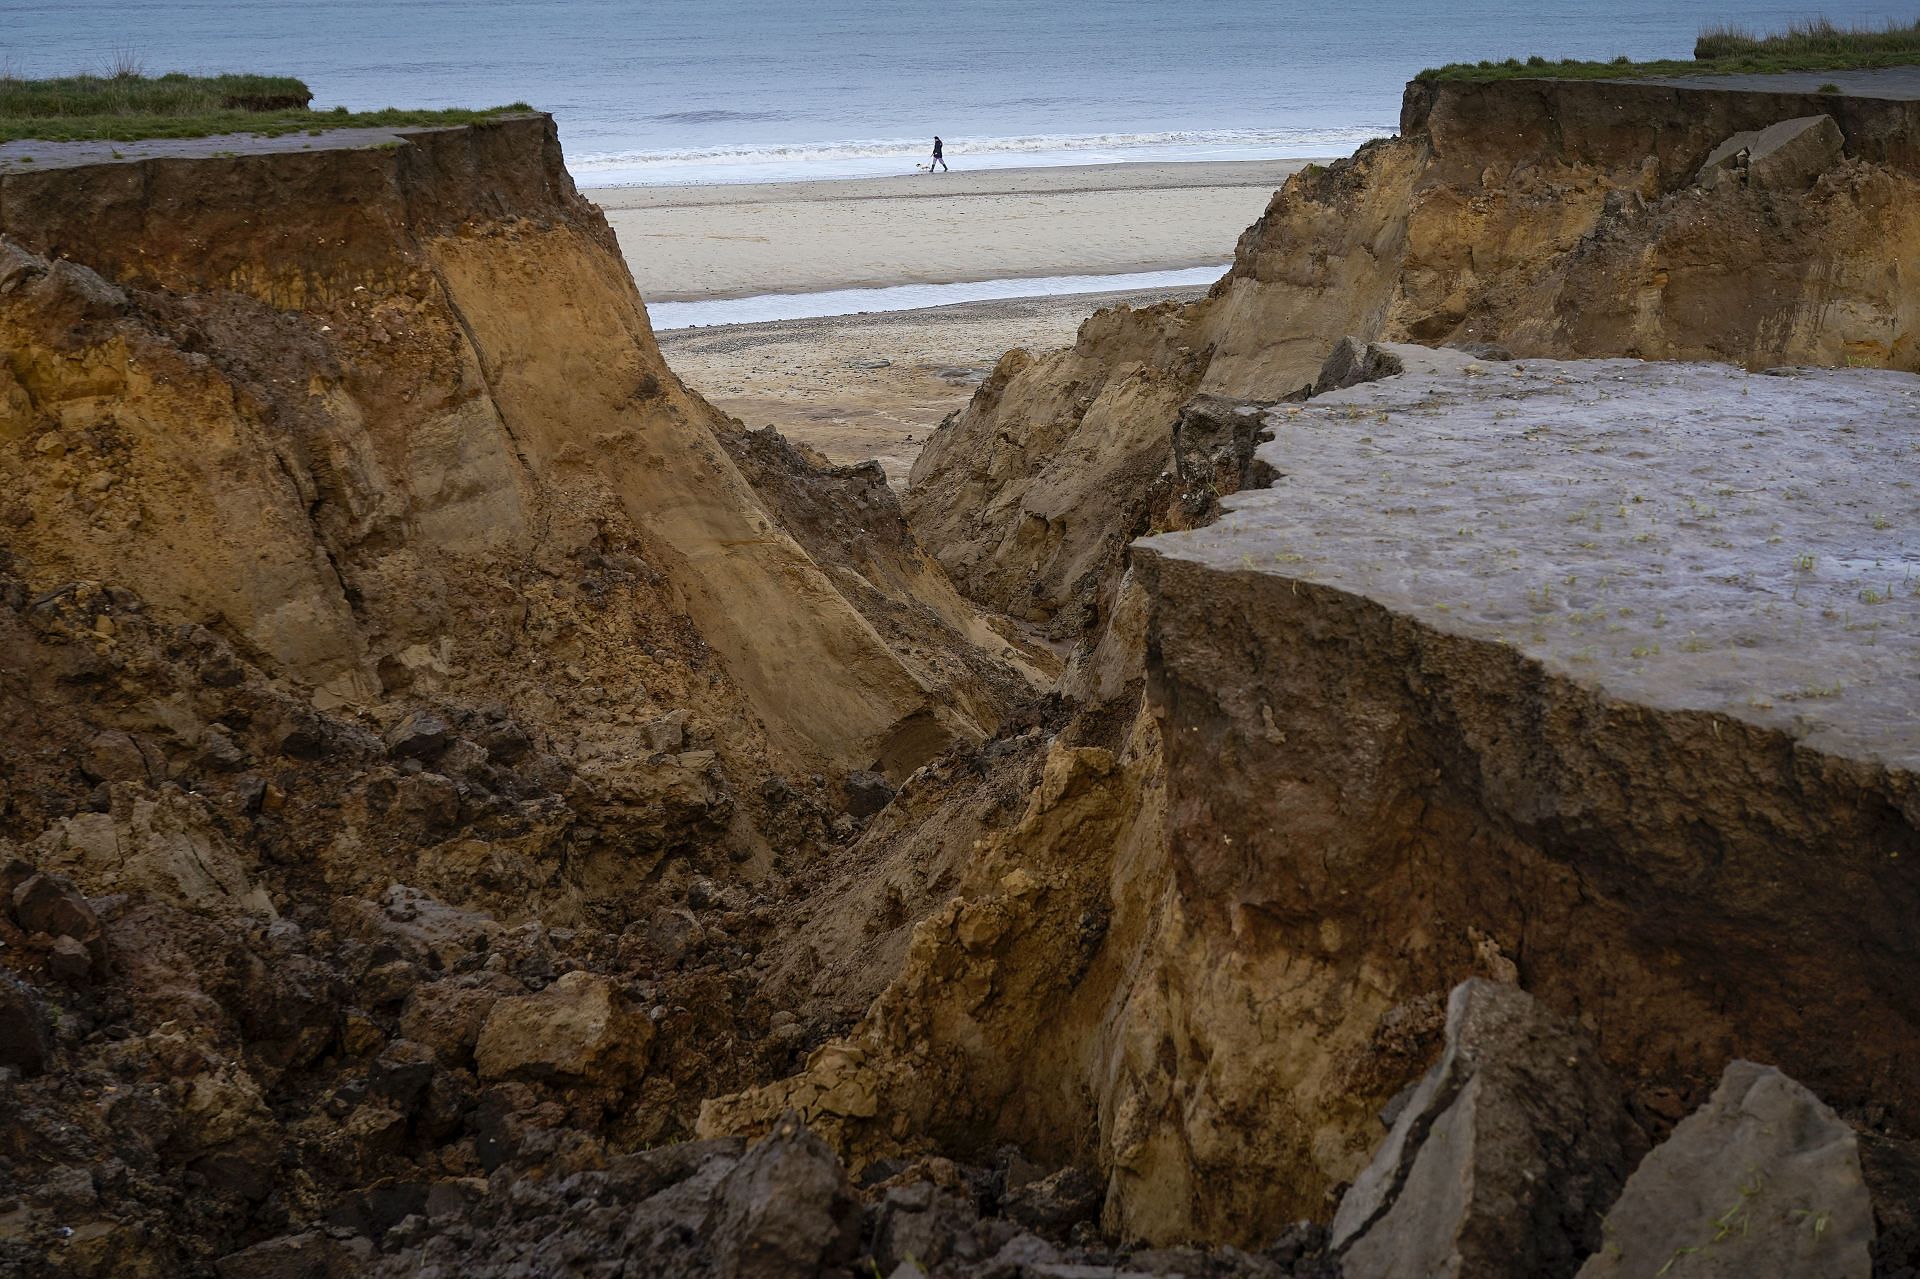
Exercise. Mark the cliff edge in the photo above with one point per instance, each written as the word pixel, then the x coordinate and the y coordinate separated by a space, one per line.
pixel 1590 677
pixel 388 413
pixel 1539 217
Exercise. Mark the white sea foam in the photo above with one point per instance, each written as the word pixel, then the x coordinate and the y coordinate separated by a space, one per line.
pixel 869 157
pixel 912 297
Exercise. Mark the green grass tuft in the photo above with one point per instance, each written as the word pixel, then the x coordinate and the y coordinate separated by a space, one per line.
pixel 1819 45
pixel 125 106
pixel 1819 37
pixel 132 94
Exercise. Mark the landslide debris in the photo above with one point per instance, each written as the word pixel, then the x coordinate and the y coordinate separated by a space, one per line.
pixel 1504 1156
pixel 399 482
pixel 260 965
pixel 413 712
pixel 469 808
pixel 1762 1178
pixel 1370 757
pixel 1256 995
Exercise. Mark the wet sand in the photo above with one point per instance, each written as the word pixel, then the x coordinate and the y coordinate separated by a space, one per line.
pixel 874 386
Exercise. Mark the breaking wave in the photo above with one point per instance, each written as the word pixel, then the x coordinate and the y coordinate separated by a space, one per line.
pixel 713 117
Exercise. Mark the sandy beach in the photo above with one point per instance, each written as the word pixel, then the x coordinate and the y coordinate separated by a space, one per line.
pixel 689 242
pixel 873 386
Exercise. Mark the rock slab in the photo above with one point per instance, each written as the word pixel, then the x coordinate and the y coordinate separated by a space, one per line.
pixel 1504 1159
pixel 1763 1181
pixel 1787 156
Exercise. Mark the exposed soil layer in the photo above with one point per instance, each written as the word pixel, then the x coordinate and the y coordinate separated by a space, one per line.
pixel 1371 762
pixel 1386 758
pixel 434 449
pixel 468 807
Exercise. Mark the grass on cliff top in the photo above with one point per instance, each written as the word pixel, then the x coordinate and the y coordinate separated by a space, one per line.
pixel 1818 45
pixel 125 106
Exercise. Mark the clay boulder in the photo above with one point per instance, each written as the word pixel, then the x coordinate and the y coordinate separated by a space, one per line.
pixel 581 1029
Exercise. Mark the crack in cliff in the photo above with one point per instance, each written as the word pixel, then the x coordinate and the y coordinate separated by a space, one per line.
pixel 487 377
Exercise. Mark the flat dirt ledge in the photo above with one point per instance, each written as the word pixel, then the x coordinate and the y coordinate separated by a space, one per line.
pixel 1682 536
pixel 1890 84
pixel 36 156
pixel 1577 661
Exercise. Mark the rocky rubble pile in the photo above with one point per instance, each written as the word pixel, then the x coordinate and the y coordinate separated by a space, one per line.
pixel 263 965
pixel 783 1208
pixel 1514 1156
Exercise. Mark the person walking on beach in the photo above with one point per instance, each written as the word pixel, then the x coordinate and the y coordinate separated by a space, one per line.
pixel 937 157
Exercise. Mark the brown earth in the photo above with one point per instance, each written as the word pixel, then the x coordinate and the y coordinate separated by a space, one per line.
pixel 1208 955
pixel 447 764
pixel 1116 983
pixel 435 450
pixel 390 635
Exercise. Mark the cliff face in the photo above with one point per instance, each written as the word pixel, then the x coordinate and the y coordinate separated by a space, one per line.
pixel 387 637
pixel 396 658
pixel 1503 677
pixel 1547 217
pixel 393 418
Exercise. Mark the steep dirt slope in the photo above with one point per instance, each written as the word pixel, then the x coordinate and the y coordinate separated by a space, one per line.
pixel 393 418
pixel 1551 218
pixel 389 641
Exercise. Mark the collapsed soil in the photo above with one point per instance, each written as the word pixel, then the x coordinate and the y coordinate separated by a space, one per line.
pixel 471 807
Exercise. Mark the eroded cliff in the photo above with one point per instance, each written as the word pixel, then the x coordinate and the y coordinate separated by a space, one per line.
pixel 1576 676
pixel 416 699
pixel 392 416
pixel 1544 217
pixel 445 757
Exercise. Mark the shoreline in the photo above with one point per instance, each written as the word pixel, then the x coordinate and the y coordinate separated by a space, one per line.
pixel 1053 178
pixel 741 240
pixel 937 279
pixel 841 304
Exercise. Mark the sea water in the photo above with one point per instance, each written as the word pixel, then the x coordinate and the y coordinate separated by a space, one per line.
pixel 819 304
pixel 673 91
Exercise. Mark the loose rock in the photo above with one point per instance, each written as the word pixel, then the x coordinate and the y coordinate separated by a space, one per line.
pixel 1505 1157
pixel 1762 1182
pixel 580 1028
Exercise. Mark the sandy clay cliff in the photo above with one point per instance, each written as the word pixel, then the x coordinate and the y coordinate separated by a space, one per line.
pixel 367 570
pixel 1285 814
pixel 472 809
pixel 1541 217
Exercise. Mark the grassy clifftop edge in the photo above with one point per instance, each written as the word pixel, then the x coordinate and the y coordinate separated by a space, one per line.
pixel 128 107
pixel 1818 45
